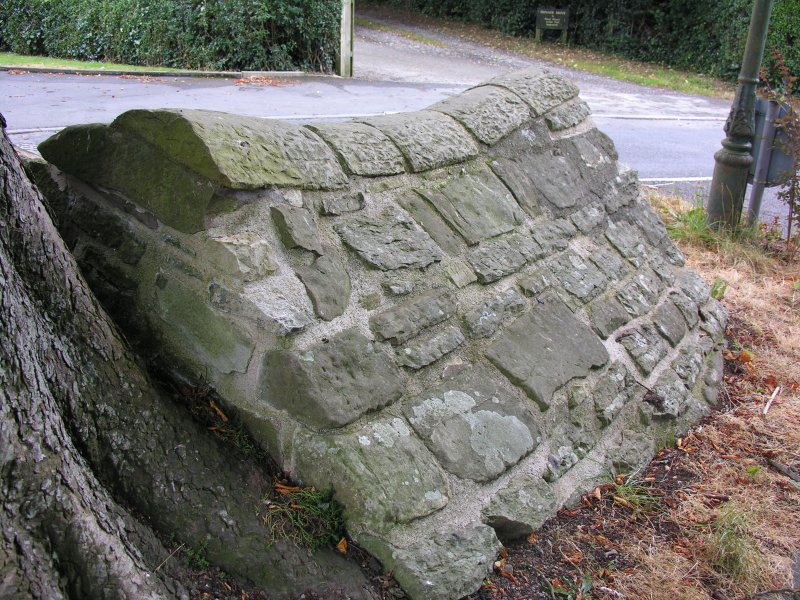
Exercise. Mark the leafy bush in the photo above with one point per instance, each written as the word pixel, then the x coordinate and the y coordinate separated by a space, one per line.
pixel 706 37
pixel 197 34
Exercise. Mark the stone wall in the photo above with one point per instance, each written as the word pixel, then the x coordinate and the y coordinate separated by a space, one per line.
pixel 460 318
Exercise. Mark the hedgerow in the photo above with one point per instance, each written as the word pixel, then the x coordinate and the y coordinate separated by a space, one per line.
pixel 706 37
pixel 194 34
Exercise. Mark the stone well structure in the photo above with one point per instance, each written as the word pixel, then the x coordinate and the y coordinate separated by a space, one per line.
pixel 460 319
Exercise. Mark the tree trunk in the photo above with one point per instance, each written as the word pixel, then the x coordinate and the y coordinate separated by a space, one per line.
pixel 84 433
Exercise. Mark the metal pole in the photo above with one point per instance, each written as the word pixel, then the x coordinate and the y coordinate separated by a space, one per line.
pixel 762 164
pixel 733 160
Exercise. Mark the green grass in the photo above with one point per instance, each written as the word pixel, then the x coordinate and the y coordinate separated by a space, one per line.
pixel 731 549
pixel 19 61
pixel 422 39
pixel 305 516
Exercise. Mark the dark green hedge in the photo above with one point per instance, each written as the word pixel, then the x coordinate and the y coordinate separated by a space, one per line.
pixel 195 34
pixel 707 36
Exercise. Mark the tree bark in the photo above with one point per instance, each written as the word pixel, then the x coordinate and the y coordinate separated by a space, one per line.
pixel 82 427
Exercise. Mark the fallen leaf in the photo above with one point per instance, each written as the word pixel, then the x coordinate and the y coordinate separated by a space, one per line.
pixel 533 538
pixel 219 412
pixel 342 546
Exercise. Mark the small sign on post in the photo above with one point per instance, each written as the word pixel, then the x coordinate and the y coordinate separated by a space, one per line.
pixel 552 18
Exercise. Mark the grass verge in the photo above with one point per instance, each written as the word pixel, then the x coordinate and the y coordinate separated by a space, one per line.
pixel 398 21
pixel 19 61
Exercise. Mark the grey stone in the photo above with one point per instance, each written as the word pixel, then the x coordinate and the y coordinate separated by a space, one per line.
pixel 624 190
pixel 426 138
pixel 607 315
pixel 609 262
pixel 694 287
pixel 446 565
pixel 546 348
pixel 331 384
pixel 612 391
pixel 282 300
pixel 594 156
pixel 487 318
pixel 553 236
pixel 641 293
pixel 489 113
pixel 407 319
pixel 520 508
pixel 538 282
pixel 333 206
pixel 297 228
pixel 474 428
pixel 389 242
pixel 364 150
pixel 584 427
pixel 543 178
pixel 328 284
pixel 476 204
pixel 689 364
pixel 670 323
pixel 589 217
pixel 668 397
pixel 431 221
pixel 662 269
pixel 371 301
pixel 254 256
pixel 381 473
pixel 567 115
pixel 460 274
pixel 526 245
pixel 211 341
pixel 647 220
pixel 423 352
pixel 624 238
pixel 398 288
pixel 495 259
pixel 559 462
pixel 631 451
pixel 578 276
pixel 539 88
pixel 688 307
pixel 714 318
pixel 645 346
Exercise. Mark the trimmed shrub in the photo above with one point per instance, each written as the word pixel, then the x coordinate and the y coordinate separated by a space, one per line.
pixel 194 34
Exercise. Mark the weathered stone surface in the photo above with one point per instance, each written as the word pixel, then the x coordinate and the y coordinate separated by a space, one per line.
pixel 254 255
pixel 640 294
pixel 520 508
pixel 589 217
pixel 296 228
pixel 364 150
pixel 609 262
pixel 670 323
pixel 630 245
pixel 197 332
pixel 282 300
pixel 426 138
pixel 475 428
pixel 382 473
pixel 547 178
pixel 689 364
pixel 460 274
pixel 614 389
pixel 607 315
pixel 567 115
pixel 330 385
pixel 495 259
pixel 688 307
pixel 445 565
pixel 398 287
pixel 559 462
pixel 645 346
pixel 328 284
pixel 541 280
pixel 423 352
pixel 668 397
pixel 389 242
pixel 431 221
pixel 334 206
pixel 543 350
pixel 578 276
pixel 403 321
pixel 714 318
pixel 553 236
pixel 541 90
pixel 489 113
pixel 487 318
pixel 694 287
pixel 476 204
pixel 631 452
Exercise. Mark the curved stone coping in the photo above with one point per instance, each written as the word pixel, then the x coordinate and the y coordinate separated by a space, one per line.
pixel 460 318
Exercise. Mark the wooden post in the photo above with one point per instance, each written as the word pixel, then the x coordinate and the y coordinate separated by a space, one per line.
pixel 345 66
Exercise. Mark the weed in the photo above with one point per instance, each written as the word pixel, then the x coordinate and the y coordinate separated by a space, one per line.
pixel 577 588
pixel 732 551
pixel 305 516
pixel 196 557
pixel 630 493
pixel 718 288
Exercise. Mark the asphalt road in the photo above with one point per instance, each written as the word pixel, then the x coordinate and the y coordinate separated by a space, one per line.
pixel 669 138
